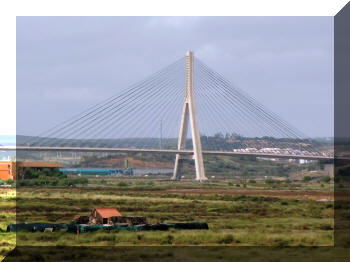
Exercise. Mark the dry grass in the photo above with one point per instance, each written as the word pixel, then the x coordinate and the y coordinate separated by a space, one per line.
pixel 233 220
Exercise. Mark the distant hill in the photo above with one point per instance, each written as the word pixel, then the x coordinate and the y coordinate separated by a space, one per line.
pixel 167 143
pixel 216 142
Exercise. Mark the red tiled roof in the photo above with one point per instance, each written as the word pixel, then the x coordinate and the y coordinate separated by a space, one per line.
pixel 108 212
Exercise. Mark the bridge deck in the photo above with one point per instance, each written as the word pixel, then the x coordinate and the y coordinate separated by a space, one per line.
pixel 166 151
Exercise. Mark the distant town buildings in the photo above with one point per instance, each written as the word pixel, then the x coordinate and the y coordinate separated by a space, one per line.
pixel 280 151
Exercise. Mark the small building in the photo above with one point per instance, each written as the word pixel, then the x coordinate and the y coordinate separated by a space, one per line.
pixel 103 215
pixel 7 170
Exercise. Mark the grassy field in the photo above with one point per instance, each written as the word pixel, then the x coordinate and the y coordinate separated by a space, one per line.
pixel 236 215
pixel 161 182
pixel 233 219
pixel 7 216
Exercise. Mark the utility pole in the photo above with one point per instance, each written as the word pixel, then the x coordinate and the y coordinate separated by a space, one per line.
pixel 189 114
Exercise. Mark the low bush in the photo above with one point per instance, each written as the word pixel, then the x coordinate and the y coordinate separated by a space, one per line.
pixel 325 179
pixel 122 184
pixel 227 239
pixel 9 181
pixel 168 239
pixel 307 178
pixel 49 177
pixel 270 181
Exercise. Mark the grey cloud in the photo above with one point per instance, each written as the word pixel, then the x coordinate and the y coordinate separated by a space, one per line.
pixel 284 62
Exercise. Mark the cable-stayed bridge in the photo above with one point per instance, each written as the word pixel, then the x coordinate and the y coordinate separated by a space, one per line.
pixel 186 109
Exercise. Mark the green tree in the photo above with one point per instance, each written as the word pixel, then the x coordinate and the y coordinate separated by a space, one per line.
pixel 307 178
pixel 9 181
pixel 269 181
pixel 325 179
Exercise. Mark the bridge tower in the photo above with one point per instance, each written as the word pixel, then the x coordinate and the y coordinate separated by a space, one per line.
pixel 189 114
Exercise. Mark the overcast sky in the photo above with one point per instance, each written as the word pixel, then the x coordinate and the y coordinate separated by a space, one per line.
pixel 65 64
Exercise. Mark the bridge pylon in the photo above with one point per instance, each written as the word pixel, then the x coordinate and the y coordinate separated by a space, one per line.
pixel 189 114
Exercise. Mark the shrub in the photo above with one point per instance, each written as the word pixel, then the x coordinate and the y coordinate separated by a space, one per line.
pixel 326 227
pixel 9 181
pixel 64 182
pixel 227 239
pixel 168 239
pixel 306 178
pixel 81 181
pixel 122 184
pixel 336 179
pixel 30 173
pixel 269 181
pixel 281 243
pixel 53 182
pixel 252 181
pixel 47 172
pixel 325 179
pixel 47 177
pixel 139 237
